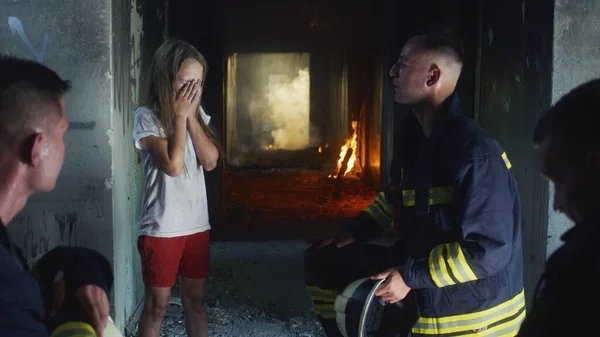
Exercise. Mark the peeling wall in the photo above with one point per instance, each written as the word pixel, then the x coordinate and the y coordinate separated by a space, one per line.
pixel 516 68
pixel 100 48
pixel 138 27
pixel 576 60
pixel 64 36
pixel 126 178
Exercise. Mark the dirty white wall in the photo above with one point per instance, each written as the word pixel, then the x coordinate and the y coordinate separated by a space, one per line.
pixel 576 60
pixel 73 38
pixel 95 45
pixel 126 173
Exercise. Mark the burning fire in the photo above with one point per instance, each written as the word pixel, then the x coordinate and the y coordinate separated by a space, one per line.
pixel 351 143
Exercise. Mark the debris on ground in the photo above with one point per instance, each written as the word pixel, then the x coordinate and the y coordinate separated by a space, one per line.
pixel 254 289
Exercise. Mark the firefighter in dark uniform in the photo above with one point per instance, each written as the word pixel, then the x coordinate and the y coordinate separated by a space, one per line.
pixel 566 138
pixel 453 202
pixel 68 293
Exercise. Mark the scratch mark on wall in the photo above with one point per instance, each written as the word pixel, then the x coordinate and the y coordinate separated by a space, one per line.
pixel 82 125
pixel 507 105
pixel 66 221
pixel 562 23
pixel 44 243
pixel 109 183
pixel 490 36
pixel 16 27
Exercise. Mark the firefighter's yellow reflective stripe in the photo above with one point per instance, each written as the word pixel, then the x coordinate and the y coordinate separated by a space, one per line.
pixel 506 161
pixel 440 195
pixel 384 221
pixel 325 313
pixel 507 329
pixel 437 196
pixel 511 311
pixel 328 296
pixel 74 329
pixel 408 196
pixel 458 263
pixel 324 295
pixel 321 290
pixel 382 202
pixel 325 310
pixel 438 269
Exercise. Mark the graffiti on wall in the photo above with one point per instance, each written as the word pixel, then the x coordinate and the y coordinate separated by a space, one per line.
pixel 82 125
pixel 40 55
pixel 17 27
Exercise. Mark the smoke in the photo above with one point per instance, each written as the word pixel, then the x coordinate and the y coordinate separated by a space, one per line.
pixel 272 102
pixel 289 103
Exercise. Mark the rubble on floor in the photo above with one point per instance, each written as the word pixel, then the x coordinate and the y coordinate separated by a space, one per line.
pixel 255 289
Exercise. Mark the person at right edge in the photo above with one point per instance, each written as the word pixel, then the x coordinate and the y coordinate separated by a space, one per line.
pixel 568 147
pixel 453 203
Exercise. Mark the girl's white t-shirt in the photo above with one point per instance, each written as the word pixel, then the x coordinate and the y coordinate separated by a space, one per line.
pixel 171 206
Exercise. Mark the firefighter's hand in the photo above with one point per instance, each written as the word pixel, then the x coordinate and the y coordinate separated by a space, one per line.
pixel 92 298
pixel 393 289
pixel 95 302
pixel 340 240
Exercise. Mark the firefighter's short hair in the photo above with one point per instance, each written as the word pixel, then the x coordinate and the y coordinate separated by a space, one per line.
pixel 444 40
pixel 573 121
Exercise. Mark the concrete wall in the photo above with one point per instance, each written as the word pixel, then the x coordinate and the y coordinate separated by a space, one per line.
pixel 99 47
pixel 64 35
pixel 576 60
pixel 516 68
pixel 526 67
pixel 126 173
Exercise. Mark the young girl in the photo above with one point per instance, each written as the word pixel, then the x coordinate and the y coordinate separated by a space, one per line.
pixel 176 145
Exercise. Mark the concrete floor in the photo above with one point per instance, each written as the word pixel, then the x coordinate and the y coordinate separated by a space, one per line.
pixel 255 289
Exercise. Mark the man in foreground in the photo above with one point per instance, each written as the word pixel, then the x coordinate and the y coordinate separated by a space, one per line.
pixel 75 280
pixel 566 139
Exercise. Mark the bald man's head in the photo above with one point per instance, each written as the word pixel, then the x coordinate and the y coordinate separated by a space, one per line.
pixel 429 66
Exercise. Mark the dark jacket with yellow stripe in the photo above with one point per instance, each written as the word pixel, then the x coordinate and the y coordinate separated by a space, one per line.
pixel 25 298
pixel 455 200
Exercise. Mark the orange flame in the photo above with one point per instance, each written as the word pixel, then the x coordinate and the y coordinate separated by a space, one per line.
pixel 351 143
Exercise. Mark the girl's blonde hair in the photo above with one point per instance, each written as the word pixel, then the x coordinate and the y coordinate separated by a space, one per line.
pixel 166 62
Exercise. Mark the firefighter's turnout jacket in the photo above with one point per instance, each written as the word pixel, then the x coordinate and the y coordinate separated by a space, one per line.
pixel 454 198
pixel 26 293
pixel 568 284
